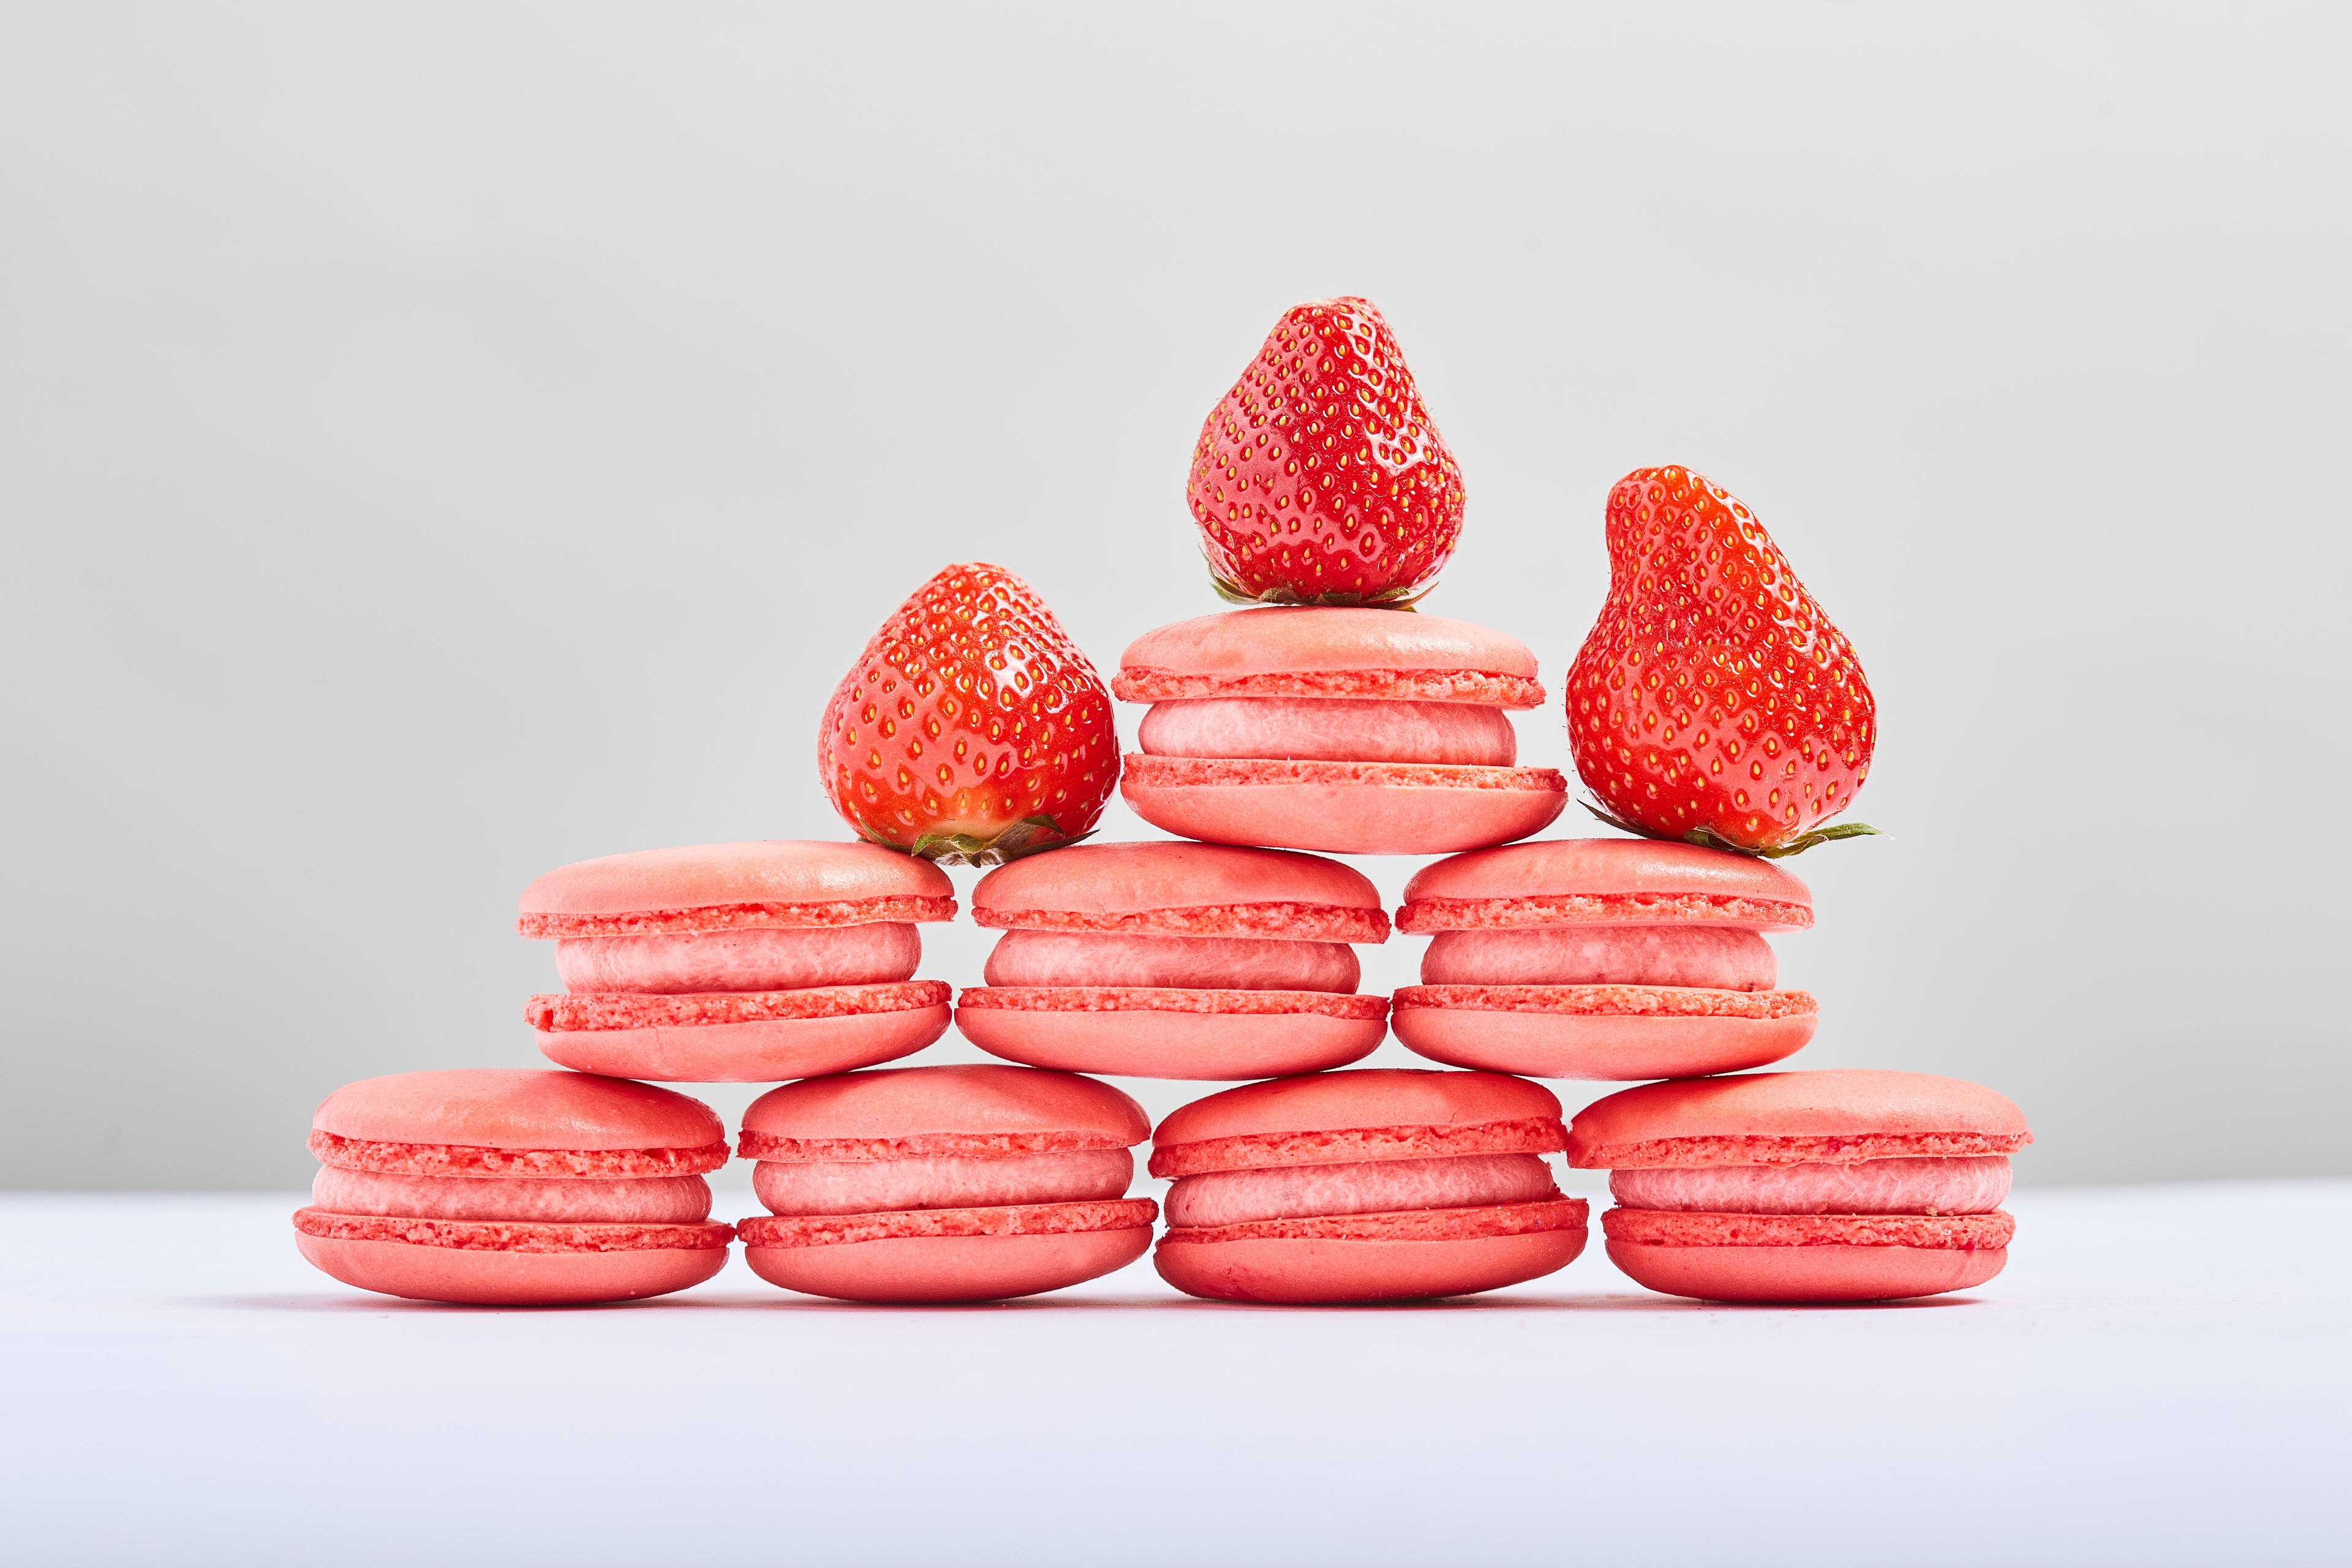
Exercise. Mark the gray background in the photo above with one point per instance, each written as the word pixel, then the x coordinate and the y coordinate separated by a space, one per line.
pixel 438 445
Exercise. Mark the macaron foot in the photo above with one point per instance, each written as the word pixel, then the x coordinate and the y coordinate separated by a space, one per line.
pixel 763 1051
pixel 1620 1046
pixel 1313 1272
pixel 1190 1038
pixel 466 1277
pixel 945 1270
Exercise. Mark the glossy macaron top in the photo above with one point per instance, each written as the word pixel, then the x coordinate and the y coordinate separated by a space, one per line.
pixel 1374 1113
pixel 516 1121
pixel 1564 881
pixel 1180 889
pixel 902 1113
pixel 1788 1118
pixel 1263 651
pixel 722 887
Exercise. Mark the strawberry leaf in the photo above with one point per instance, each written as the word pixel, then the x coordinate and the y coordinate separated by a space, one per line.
pixel 1804 841
pixel 1619 823
pixel 1707 839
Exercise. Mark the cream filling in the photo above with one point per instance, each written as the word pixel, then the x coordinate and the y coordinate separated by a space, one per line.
pixel 758 959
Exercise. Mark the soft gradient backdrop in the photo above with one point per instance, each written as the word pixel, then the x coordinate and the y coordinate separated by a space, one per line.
pixel 443 443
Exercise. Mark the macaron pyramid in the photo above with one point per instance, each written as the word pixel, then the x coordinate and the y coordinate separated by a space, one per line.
pixel 1718 717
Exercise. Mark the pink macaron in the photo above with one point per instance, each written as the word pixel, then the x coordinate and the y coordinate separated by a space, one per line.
pixel 513 1187
pixel 1379 1185
pixel 945 1184
pixel 1603 958
pixel 1185 961
pixel 738 963
pixel 1805 1186
pixel 1355 732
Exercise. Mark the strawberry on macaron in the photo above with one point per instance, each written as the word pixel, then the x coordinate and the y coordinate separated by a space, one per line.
pixel 1713 701
pixel 1376 1184
pixel 738 963
pixel 1805 1186
pixel 972 729
pixel 1603 958
pixel 945 1184
pixel 1350 730
pixel 1183 961
pixel 1319 477
pixel 506 1187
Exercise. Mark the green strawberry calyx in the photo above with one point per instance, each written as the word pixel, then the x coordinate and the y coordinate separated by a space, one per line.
pixel 1707 838
pixel 1397 598
pixel 1027 837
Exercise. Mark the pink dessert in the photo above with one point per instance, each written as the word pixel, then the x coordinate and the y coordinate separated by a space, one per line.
pixel 1185 961
pixel 1805 1186
pixel 947 1183
pixel 738 963
pixel 501 1187
pixel 1377 1184
pixel 1355 732
pixel 1603 958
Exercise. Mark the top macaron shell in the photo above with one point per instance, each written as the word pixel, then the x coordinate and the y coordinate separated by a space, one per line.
pixel 518 1121
pixel 1372 1113
pixel 1835 1114
pixel 1335 802
pixel 737 892
pixel 1183 889
pixel 1189 1017
pixel 1511 1003
pixel 501 1187
pixel 719 887
pixel 974 1108
pixel 1572 881
pixel 1287 652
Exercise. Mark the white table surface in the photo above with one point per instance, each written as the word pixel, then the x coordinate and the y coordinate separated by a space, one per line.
pixel 2162 1375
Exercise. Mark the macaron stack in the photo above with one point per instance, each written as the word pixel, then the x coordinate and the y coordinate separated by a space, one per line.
pixel 1628 959
pixel 1717 715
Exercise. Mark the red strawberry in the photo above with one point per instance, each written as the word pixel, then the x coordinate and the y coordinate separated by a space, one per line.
pixel 972 729
pixel 1713 701
pixel 1320 478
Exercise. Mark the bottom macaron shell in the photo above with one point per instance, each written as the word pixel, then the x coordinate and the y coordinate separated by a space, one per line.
pixel 493 1278
pixel 1400 1256
pixel 1618 1047
pixel 1171 1044
pixel 915 1269
pixel 1798 1275
pixel 1312 1271
pixel 1342 809
pixel 764 1050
